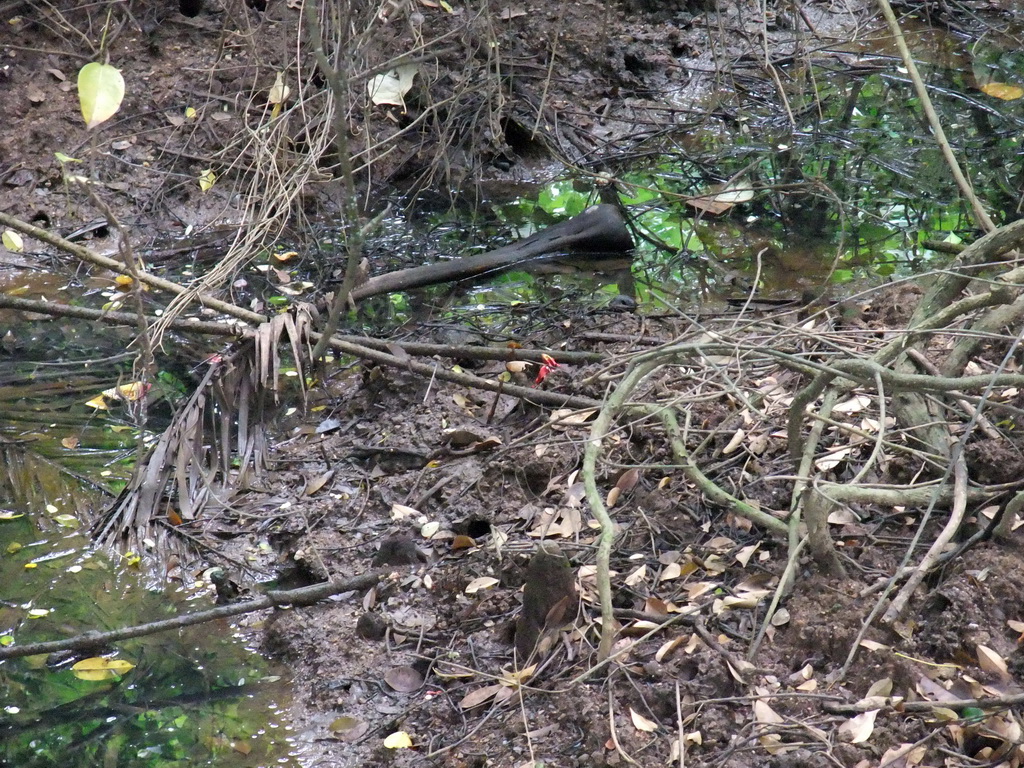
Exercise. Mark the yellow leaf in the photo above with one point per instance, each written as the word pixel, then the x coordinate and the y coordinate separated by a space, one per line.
pixel 98 668
pixel 131 392
pixel 398 740
pixel 207 179
pixel 12 241
pixel 100 92
pixel 1003 91
pixel 190 113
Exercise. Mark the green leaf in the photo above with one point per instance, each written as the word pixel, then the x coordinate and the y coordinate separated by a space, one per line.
pixel 100 92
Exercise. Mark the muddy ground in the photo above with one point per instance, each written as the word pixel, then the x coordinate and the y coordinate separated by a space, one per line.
pixel 380 457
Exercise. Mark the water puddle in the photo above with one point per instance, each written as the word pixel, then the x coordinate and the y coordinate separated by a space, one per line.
pixel 198 696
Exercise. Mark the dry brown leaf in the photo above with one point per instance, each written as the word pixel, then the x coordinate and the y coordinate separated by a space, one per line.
pixel 404 679
pixel 478 696
pixel 627 480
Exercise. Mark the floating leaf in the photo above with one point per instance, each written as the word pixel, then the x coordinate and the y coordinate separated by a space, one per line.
pixel 100 92
pixel 98 668
pixel 1003 91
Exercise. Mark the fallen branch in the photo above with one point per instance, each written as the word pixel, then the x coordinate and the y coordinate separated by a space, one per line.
pixel 273 599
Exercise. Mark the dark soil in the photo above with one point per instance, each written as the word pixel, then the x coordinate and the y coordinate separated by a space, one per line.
pixel 582 83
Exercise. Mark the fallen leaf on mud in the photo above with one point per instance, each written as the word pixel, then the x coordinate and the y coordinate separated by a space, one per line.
pixel 317 483
pixel 12 241
pixel 853 405
pixel 398 740
pixel 881 687
pixel 627 480
pixel 992 662
pixel 933 691
pixel 744 555
pixel 349 728
pixel 656 606
pixel 636 577
pixel 700 588
pixel 567 417
pixel 1016 626
pixel 763 713
pixel 672 571
pixel 461 541
pixel 832 459
pixel 390 87
pixel 842 516
pixel 401 512
pixel 477 697
pixel 780 618
pixel 735 442
pixel 449 671
pixel 482 582
pixel 871 645
pixel 667 648
pixel 612 498
pixel 858 729
pixel 903 756
pixel 772 743
pixel 641 723
pixel 403 679
pixel 429 530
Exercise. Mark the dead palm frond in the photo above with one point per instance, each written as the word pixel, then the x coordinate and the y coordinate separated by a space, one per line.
pixel 216 443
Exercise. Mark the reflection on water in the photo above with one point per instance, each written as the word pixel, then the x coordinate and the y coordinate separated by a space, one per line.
pixel 197 696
